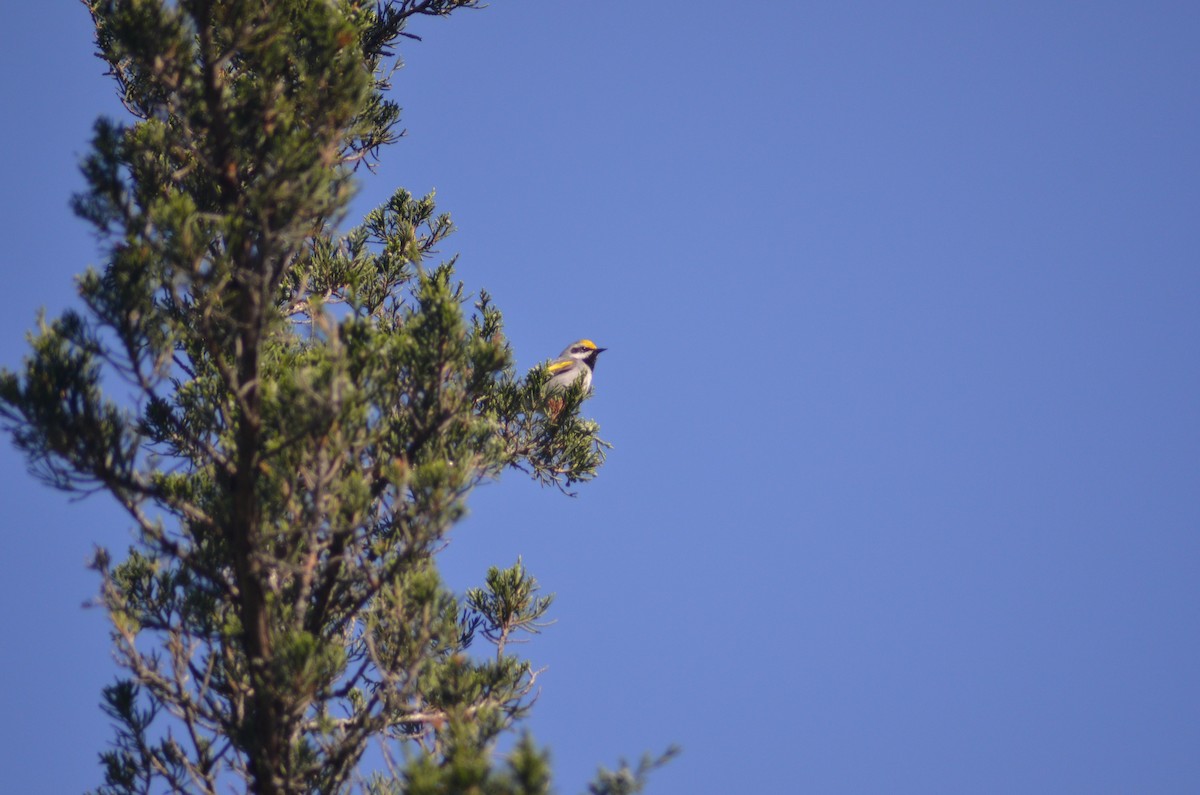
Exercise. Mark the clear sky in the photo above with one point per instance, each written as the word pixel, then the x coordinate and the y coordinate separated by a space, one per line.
pixel 903 309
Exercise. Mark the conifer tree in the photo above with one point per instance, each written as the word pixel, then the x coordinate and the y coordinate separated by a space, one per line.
pixel 292 416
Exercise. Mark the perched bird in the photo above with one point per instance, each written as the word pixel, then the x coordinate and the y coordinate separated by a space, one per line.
pixel 573 364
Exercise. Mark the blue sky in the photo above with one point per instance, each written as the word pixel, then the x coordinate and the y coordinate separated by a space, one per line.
pixel 903 307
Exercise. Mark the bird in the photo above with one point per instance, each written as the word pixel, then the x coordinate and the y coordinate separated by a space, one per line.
pixel 575 363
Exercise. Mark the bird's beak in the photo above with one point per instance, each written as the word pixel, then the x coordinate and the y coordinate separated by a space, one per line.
pixel 601 350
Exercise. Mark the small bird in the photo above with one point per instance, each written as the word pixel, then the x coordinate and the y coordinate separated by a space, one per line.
pixel 576 362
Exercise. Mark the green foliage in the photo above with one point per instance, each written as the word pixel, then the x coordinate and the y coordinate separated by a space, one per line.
pixel 293 417
pixel 627 780
pixel 508 605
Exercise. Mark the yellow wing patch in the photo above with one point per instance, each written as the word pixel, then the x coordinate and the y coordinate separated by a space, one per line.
pixel 557 367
